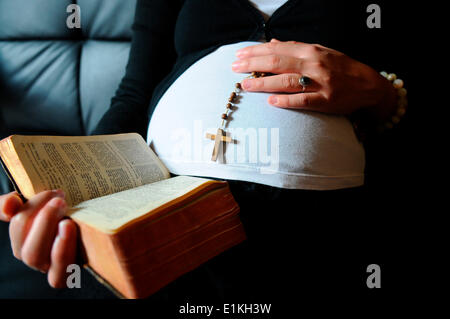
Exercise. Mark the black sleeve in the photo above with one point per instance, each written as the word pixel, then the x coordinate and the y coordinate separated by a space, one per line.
pixel 152 55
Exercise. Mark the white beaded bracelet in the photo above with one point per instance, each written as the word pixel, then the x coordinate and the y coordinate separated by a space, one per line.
pixel 402 102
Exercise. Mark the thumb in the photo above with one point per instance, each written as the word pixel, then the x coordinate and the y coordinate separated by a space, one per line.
pixel 9 206
pixel 274 40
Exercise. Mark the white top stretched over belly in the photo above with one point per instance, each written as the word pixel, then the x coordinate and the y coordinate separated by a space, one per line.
pixel 273 146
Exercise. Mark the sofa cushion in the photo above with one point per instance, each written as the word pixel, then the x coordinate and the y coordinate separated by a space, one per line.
pixel 40 87
pixel 98 60
pixel 107 19
pixel 56 80
pixel 37 19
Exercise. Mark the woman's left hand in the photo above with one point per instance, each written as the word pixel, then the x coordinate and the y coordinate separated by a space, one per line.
pixel 340 85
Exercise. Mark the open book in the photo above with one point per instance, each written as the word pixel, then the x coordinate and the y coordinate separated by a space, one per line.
pixel 140 229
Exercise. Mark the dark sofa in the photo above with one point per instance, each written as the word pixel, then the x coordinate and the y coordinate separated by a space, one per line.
pixel 56 81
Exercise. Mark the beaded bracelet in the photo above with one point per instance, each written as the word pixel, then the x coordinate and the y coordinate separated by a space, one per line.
pixel 402 102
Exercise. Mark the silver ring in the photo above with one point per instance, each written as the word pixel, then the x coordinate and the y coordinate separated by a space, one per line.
pixel 304 81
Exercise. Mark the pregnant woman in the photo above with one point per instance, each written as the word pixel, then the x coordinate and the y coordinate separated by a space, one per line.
pixel 289 149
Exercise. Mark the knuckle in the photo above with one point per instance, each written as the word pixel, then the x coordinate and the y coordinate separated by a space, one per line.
pixel 305 100
pixel 313 49
pixel 298 64
pixel 319 64
pixel 271 46
pixel 274 61
pixel 258 83
pixel 288 102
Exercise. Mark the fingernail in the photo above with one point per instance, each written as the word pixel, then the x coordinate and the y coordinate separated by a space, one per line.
pixel 12 206
pixel 236 65
pixel 273 100
pixel 59 193
pixel 62 229
pixel 58 203
pixel 246 84
pixel 241 53
pixel 45 269
pixel 17 202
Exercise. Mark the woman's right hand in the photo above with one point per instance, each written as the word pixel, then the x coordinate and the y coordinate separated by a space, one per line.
pixel 40 236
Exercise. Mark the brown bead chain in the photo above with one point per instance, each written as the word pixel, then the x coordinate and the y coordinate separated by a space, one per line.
pixel 234 95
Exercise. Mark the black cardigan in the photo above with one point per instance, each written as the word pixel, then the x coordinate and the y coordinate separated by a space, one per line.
pixel 170 35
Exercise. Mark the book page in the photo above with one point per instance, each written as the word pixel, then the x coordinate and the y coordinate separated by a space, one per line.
pixel 109 213
pixel 88 167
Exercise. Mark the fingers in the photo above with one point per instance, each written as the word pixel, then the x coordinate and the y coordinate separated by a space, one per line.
pixel 38 243
pixel 22 221
pixel 39 235
pixel 291 48
pixel 9 206
pixel 270 63
pixel 306 101
pixel 288 82
pixel 63 253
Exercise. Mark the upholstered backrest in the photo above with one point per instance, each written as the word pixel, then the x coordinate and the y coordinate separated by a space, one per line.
pixel 56 80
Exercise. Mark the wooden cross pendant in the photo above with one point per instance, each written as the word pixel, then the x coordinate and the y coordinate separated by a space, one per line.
pixel 218 138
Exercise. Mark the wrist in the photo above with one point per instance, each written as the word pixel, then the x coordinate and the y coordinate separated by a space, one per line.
pixel 387 102
pixel 389 109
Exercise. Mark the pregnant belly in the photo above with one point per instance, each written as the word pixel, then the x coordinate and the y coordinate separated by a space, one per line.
pixel 266 140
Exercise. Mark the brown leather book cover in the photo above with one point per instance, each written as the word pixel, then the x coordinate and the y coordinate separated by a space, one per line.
pixel 138 239
pixel 144 257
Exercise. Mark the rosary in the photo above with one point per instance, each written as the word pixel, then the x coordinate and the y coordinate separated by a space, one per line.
pixel 221 136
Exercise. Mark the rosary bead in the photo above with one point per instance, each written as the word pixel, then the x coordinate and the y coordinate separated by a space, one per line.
pixel 402 92
pixel 403 102
pixel 401 111
pixel 238 86
pixel 392 77
pixel 389 125
pixel 395 119
pixel 224 116
pixel 232 97
pixel 398 83
pixel 262 74
pixel 229 106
